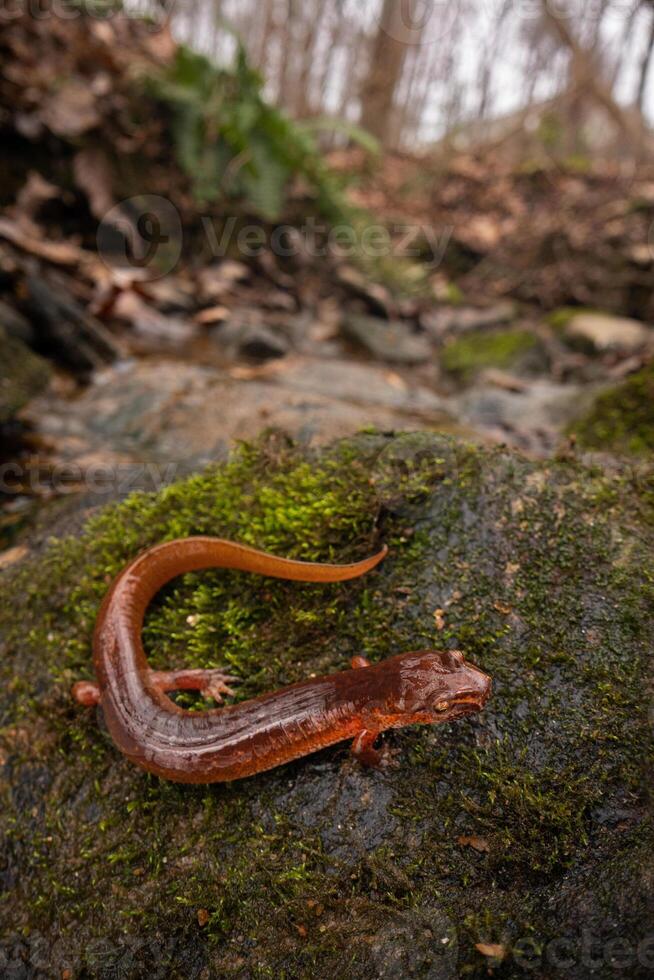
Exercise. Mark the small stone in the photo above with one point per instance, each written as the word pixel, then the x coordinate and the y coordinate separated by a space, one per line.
pixel 600 332
pixel 392 341
pixel 443 320
pixel 253 340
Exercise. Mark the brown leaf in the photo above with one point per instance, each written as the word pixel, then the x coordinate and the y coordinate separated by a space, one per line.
pixel 203 917
pixel 478 843
pixel 439 619
pixel 502 607
pixel 71 109
pixel 149 323
pixel 492 950
pixel 214 314
pixel 12 555
pixel 35 192
pixel 93 175
pixel 60 253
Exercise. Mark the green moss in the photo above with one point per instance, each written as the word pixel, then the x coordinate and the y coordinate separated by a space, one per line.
pixel 622 419
pixel 498 348
pixel 542 575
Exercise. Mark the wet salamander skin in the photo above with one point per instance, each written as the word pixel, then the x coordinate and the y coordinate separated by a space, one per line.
pixel 242 739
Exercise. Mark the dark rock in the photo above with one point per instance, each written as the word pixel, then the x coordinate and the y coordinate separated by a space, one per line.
pixel 61 323
pixel 542 574
pixel 393 341
pixel 23 375
pixel 15 324
pixel 252 340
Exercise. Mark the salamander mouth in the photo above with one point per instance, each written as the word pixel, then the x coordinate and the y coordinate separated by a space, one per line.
pixel 464 703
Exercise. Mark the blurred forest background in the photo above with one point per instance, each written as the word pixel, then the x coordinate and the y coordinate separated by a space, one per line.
pixel 321 216
pixel 414 71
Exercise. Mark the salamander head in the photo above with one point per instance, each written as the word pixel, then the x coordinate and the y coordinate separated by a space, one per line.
pixel 433 686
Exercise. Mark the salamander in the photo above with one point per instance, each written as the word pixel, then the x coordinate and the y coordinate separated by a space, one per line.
pixel 237 740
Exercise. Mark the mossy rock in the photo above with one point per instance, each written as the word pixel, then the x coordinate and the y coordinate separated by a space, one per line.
pixel 621 420
pixel 466 356
pixel 23 375
pixel 516 827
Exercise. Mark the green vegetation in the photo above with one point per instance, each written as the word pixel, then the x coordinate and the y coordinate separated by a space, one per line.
pixel 236 148
pixel 622 419
pixel 233 145
pixel 469 354
pixel 541 575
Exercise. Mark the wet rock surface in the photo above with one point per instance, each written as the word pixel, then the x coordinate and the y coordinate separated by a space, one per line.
pixel 393 342
pixel 495 836
pixel 183 416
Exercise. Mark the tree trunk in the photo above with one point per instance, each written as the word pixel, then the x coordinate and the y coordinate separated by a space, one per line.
pixel 645 67
pixel 388 55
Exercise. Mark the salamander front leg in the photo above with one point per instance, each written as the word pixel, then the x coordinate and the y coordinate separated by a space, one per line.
pixel 363 749
pixel 210 683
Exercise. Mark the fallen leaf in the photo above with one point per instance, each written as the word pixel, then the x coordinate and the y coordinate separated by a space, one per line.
pixel 478 843
pixel 439 619
pixel 492 950
pixel 60 253
pixel 502 608
pixel 34 193
pixel 203 917
pixel 93 175
pixel 218 278
pixel 149 323
pixel 213 314
pixel 12 555
pixel 395 380
pixel 70 110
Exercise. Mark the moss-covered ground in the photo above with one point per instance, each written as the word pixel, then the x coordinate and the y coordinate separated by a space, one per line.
pixel 524 827
pixel 466 356
pixel 622 419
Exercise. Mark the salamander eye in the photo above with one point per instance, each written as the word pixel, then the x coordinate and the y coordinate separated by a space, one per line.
pixel 442 706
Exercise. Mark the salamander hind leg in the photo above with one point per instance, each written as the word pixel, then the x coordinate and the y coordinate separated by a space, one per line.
pixel 210 683
pixel 363 749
